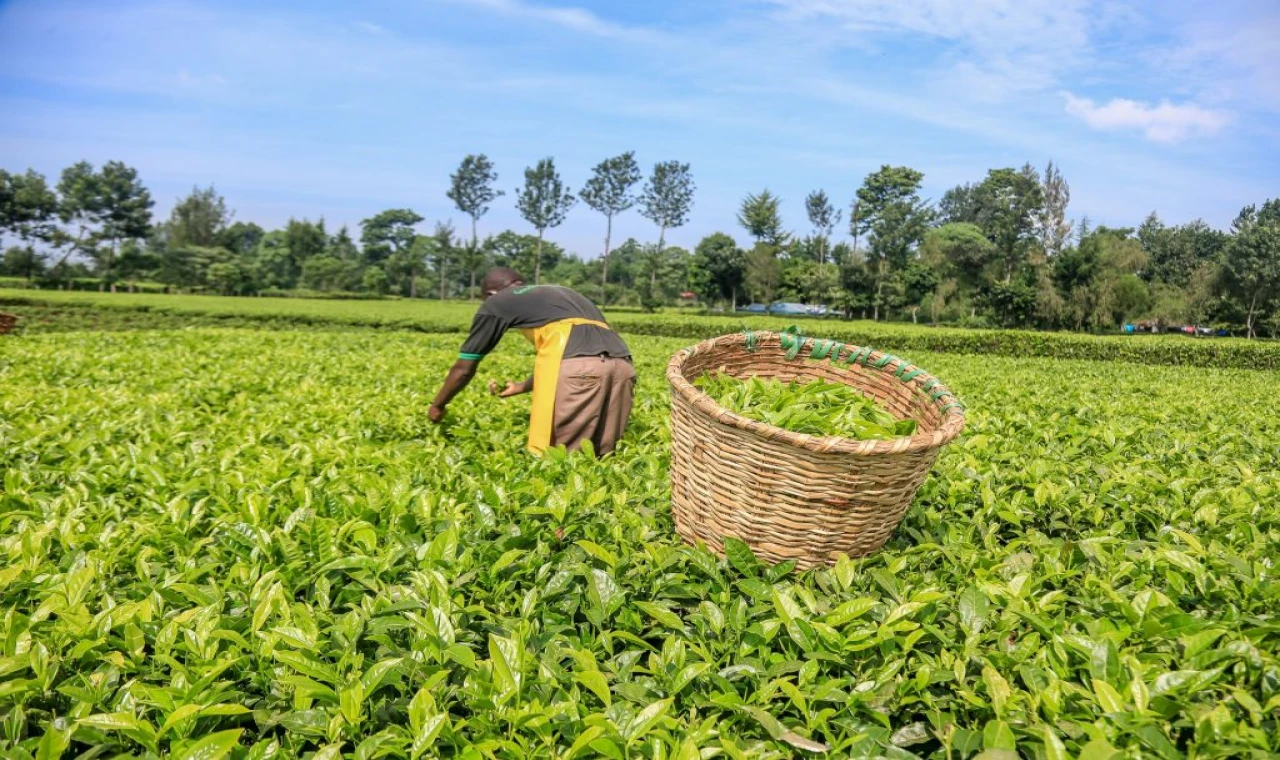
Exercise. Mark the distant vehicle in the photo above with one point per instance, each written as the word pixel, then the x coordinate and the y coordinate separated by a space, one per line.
pixel 782 308
pixel 1192 330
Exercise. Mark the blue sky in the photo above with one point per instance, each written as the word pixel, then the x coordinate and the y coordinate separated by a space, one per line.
pixel 341 109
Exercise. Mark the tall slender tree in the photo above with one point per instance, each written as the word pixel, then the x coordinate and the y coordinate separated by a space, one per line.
pixel 609 192
pixel 1051 223
pixel 544 202
pixel 759 216
pixel 824 217
pixel 443 251
pixel 471 189
pixel 667 197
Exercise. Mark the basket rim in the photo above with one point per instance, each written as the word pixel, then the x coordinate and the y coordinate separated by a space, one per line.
pixel 952 423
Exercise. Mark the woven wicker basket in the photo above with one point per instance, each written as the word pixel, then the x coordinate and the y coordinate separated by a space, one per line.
pixel 791 496
pixel 7 323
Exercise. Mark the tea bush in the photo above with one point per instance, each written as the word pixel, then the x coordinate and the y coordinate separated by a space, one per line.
pixel 251 544
pixel 455 316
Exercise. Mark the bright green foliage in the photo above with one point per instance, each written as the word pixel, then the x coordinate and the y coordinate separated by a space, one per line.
pixel 817 407
pixel 229 543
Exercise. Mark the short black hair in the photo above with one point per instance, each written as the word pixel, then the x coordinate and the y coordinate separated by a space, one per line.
pixel 499 278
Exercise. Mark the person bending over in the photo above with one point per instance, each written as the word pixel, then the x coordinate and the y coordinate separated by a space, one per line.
pixel 583 379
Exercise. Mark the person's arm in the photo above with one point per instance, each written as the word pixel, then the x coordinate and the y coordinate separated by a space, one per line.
pixel 512 388
pixel 486 330
pixel 460 375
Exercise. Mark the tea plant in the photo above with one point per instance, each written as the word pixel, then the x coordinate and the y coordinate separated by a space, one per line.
pixel 226 543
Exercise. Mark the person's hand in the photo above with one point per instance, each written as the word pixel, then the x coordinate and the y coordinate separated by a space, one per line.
pixel 435 413
pixel 512 389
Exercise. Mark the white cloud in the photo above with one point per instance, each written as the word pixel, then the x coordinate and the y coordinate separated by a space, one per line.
pixel 987 49
pixel 187 80
pixel 1165 122
pixel 576 19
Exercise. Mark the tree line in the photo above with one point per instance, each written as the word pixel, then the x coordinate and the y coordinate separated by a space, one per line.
pixel 1001 251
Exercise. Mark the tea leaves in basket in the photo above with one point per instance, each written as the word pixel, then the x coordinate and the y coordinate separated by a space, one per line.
pixel 816 407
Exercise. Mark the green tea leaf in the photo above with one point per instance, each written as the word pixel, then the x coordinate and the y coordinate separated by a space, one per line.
pixel 215 746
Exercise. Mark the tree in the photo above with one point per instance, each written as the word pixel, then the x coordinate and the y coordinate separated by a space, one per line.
pixel 812 282
pixel 125 209
pixel 199 219
pixel 518 251
pixel 81 206
pixel 764 273
pixel 718 268
pixel 912 285
pixel 1051 223
pixel 1175 252
pixel 1008 204
pixel 242 237
pixel 1089 274
pixel 387 238
pixel 824 217
pixel 1252 261
pixel 343 248
pixel 961 254
pixel 959 205
pixel 442 250
pixel 609 192
pixel 544 202
pixel 471 190
pixel 667 197
pixel 136 261
pixel 473 261
pixel 759 216
pixel 306 239
pixel 28 209
pixel 374 280
pixel 889 208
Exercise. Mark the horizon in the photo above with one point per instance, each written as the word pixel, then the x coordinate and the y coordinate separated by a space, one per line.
pixel 339 112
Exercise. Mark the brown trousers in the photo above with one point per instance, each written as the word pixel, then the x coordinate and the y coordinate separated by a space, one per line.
pixel 593 402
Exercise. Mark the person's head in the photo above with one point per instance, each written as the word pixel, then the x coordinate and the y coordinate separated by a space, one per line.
pixel 499 278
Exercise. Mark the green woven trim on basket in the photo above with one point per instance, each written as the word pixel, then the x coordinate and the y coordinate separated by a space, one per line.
pixel 906 376
pixel 792 342
pixel 860 356
pixel 823 348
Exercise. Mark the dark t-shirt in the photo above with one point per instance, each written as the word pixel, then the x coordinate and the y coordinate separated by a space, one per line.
pixel 524 306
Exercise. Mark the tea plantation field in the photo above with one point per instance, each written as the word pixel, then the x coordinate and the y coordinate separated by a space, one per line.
pixel 251 543
pixel 56 310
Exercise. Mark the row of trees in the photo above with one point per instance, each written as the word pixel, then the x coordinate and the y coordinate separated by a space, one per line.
pixel 1000 251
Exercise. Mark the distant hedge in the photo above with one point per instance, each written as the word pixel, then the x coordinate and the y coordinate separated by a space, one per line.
pixel 454 317
pixel 1172 350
